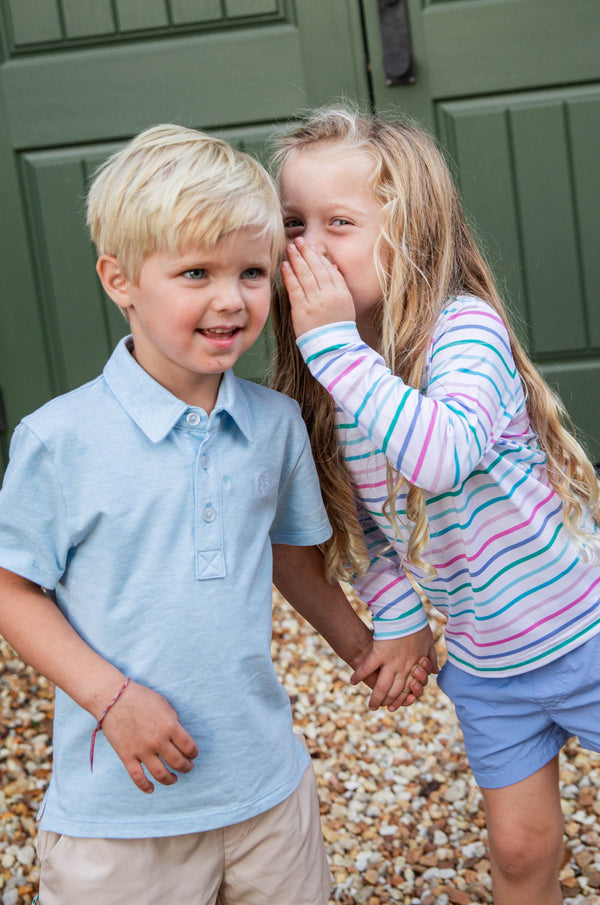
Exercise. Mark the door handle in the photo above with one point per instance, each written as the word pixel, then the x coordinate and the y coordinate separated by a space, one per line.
pixel 396 46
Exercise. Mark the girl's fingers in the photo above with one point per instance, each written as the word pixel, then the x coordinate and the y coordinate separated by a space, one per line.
pixel 303 272
pixel 317 290
pixel 310 266
pixel 290 279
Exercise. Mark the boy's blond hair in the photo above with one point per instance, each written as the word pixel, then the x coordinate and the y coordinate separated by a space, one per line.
pixel 172 187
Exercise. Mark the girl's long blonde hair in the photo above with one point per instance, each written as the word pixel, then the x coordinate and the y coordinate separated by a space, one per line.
pixel 424 256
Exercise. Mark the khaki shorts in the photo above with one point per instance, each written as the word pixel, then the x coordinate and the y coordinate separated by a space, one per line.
pixel 276 858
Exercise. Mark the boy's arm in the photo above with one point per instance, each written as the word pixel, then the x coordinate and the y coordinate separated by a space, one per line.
pixel 299 574
pixel 142 728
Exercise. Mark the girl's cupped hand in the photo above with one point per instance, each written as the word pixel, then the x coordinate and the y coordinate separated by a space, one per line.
pixel 317 290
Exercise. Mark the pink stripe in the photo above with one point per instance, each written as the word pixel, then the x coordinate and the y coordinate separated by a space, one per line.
pixel 530 628
pixel 475 402
pixel 462 541
pixel 370 486
pixel 460 314
pixel 425 446
pixel 345 373
pixel 383 590
pixel 496 537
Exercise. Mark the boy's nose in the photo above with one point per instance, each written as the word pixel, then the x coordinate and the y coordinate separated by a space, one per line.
pixel 228 298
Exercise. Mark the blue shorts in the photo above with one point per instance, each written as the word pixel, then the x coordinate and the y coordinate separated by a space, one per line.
pixel 513 726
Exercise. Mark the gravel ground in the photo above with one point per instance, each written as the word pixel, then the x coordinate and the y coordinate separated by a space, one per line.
pixel 402 817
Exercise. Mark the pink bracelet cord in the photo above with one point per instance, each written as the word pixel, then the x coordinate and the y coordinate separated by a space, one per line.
pixel 99 723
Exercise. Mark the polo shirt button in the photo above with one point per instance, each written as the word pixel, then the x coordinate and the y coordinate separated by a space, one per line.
pixel 209 514
pixel 193 418
pixel 205 461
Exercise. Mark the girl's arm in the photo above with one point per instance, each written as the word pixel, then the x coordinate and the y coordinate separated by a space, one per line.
pixel 142 727
pixel 435 440
pixel 299 574
pixel 396 607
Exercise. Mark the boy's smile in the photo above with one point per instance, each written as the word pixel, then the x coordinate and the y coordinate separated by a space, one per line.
pixel 192 314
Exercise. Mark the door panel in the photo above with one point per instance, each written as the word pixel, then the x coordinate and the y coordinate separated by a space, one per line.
pixel 485 46
pixel 78 78
pixel 118 90
pixel 512 90
pixel 524 172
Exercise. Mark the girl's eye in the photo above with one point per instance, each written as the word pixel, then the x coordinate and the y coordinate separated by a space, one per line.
pixel 340 221
pixel 292 224
pixel 253 273
pixel 195 274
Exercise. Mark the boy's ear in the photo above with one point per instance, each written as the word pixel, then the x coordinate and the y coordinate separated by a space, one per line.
pixel 114 282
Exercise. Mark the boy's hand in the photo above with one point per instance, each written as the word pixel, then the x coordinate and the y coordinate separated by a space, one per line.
pixel 403 665
pixel 317 290
pixel 144 730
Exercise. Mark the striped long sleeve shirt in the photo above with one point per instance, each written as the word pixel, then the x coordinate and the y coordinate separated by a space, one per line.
pixel 515 588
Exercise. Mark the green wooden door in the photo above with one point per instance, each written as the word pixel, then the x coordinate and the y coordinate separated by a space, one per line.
pixel 512 89
pixel 79 77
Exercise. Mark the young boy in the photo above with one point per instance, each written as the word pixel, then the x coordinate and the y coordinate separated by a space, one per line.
pixel 145 503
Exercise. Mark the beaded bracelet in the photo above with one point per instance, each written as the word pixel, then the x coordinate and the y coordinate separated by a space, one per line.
pixel 99 723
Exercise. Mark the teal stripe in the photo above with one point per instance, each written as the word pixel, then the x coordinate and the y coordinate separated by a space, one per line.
pixel 316 355
pixel 460 413
pixel 323 331
pixel 368 395
pixel 481 509
pixel 469 341
pixel 393 422
pixel 355 442
pixel 472 365
pixel 517 666
pixel 483 488
pixel 520 562
pixel 415 609
pixel 366 455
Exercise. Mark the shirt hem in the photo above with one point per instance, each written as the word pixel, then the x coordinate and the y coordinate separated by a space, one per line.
pixel 142 829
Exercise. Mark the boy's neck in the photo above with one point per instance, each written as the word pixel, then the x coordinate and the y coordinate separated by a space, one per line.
pixel 201 391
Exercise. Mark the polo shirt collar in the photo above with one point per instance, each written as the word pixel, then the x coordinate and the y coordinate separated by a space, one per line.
pixel 154 409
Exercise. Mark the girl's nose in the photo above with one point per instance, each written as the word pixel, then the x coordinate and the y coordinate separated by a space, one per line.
pixel 315 238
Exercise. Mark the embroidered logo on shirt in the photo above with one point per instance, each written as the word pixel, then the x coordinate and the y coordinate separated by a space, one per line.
pixel 264 483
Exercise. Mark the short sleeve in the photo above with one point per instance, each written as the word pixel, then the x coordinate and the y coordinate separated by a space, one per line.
pixel 301 519
pixel 34 540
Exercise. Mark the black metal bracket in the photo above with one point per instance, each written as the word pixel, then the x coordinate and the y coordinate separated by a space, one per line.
pixel 396 46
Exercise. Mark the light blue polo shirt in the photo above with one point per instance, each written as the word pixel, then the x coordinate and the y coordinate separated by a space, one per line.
pixel 151 524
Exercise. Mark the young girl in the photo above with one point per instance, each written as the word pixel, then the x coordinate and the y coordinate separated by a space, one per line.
pixel 445 466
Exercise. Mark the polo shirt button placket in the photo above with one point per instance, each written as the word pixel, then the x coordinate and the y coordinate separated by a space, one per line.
pixel 209 553
pixel 209 514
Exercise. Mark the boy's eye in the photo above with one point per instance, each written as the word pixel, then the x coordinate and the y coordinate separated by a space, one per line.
pixel 253 273
pixel 195 274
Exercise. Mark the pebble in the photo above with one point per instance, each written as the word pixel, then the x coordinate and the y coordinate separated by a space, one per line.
pixel 402 816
